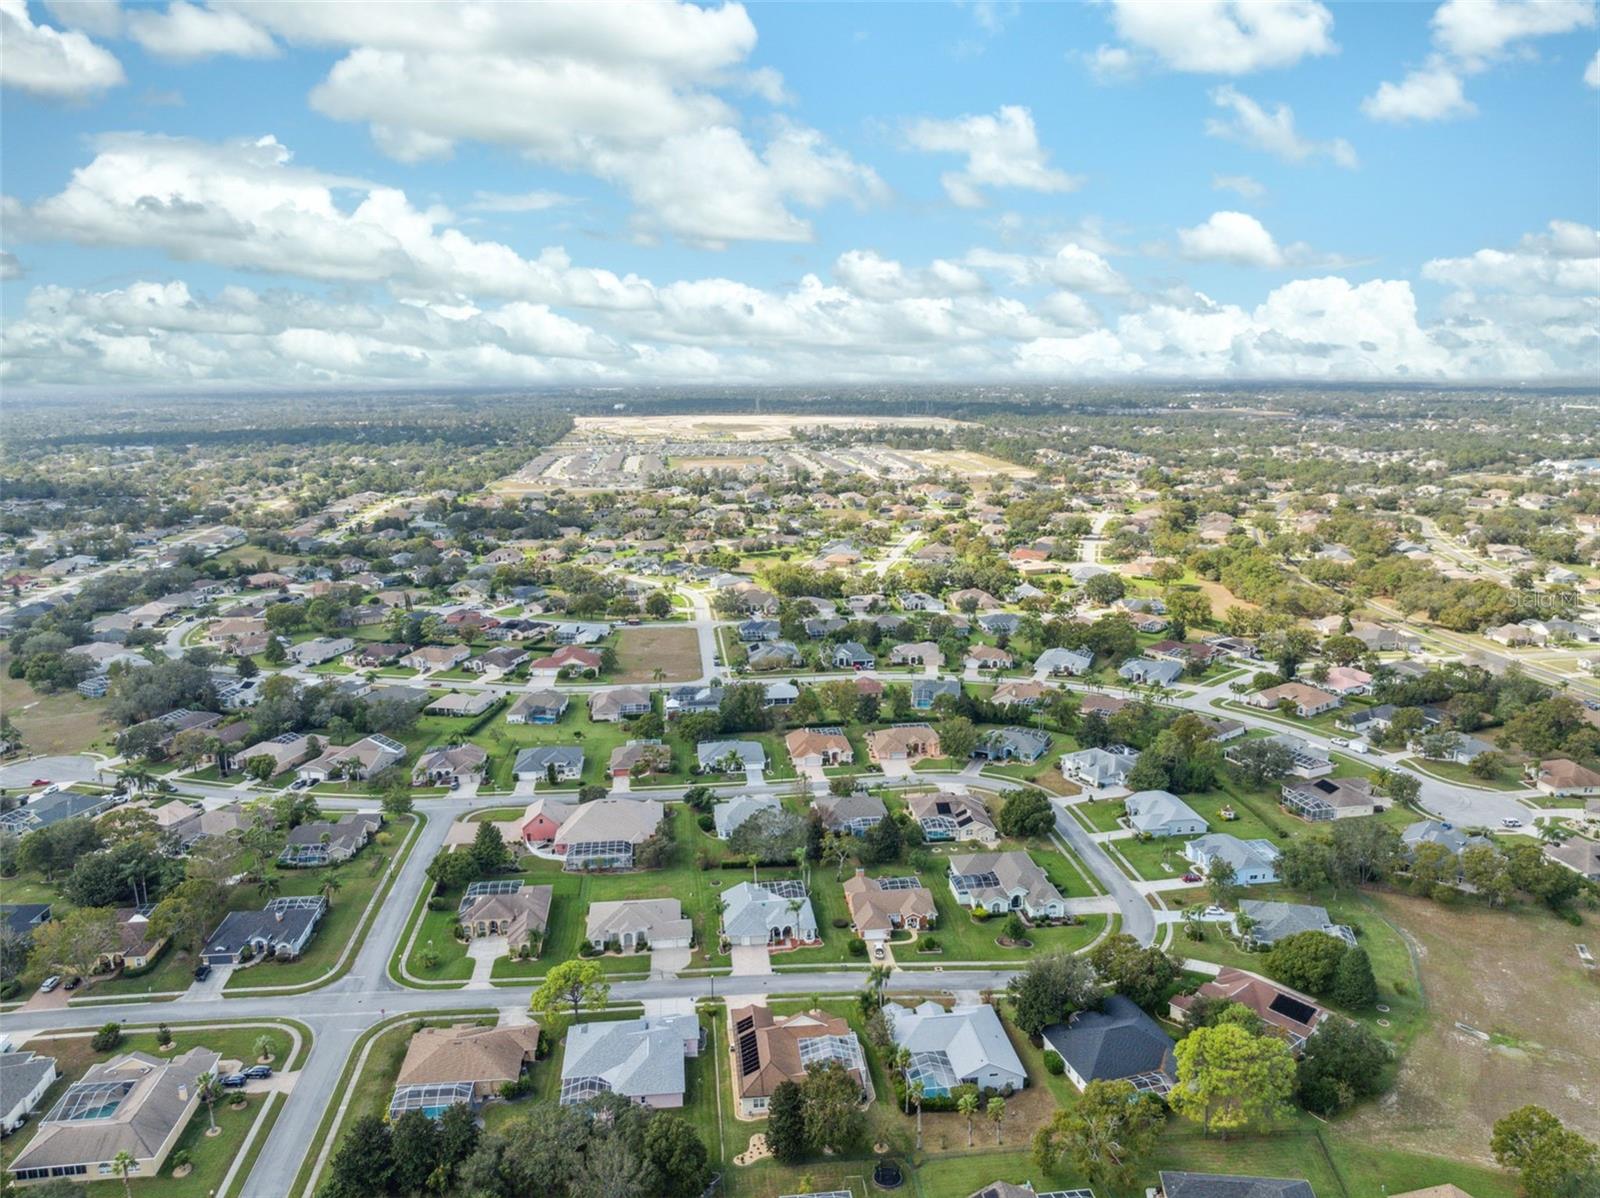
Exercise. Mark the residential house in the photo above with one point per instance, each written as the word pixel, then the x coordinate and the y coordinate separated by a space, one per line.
pixel 461 1065
pixel 1325 799
pixel 636 924
pixel 1026 745
pixel 542 819
pixel 752 632
pixel 605 834
pixel 965 1045
pixel 507 908
pixel 777 914
pixel 619 703
pixel 1254 862
pixel 358 762
pixel 320 649
pixel 1273 921
pixel 1117 1042
pixel 446 765
pixel 916 653
pixel 1099 769
pixel 279 931
pixel 816 748
pixel 542 706
pixel 902 742
pixel 579 632
pixel 319 842
pixel 1225 1185
pixel 853 813
pixel 730 814
pixel 1580 855
pixel 435 657
pixel 640 1059
pixel 569 659
pixel 1001 882
pixel 770 1050
pixel 284 751
pixel 1019 694
pixel 773 655
pixel 639 757
pixel 1447 836
pixel 879 906
pixel 1563 776
pixel 1288 1012
pixel 1148 671
pixel 1305 701
pixel 852 655
pixel 1346 681
pixel 1305 759
pixel 1064 661
pixel 137 1104
pixel 925 692
pixel 730 756
pixel 24 1079
pixel 1161 813
pixel 462 703
pixel 501 660
pixel 952 817
pixel 691 700
pixel 538 763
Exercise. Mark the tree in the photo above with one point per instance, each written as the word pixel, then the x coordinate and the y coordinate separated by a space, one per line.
pixel 208 1089
pixel 1307 961
pixel 489 851
pixel 1353 987
pixel 996 1110
pixel 1342 1063
pixel 265 1048
pixel 915 1093
pixel 676 1155
pixel 1107 1136
pixel 1143 974
pixel 966 1096
pixel 397 800
pixel 1027 813
pixel 769 836
pixel 831 1101
pixel 1402 788
pixel 1307 863
pixel 458 1136
pixel 1258 762
pixel 1220 884
pixel 364 1163
pixel 414 1151
pixel 74 943
pixel 576 984
pixel 786 1123
pixel 1230 1079
pixel 882 843
pixel 957 737
pixel 838 846
pixel 123 1164
pixel 1050 988
pixel 1553 1160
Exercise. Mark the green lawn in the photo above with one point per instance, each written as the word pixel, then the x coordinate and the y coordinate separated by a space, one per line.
pixel 1505 778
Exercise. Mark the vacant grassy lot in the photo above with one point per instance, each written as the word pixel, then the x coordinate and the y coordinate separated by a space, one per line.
pixel 643 651
pixel 65 722
pixel 1515 976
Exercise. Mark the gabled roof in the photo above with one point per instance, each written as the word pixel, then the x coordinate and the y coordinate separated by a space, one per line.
pixel 633 1057
pixel 1225 1185
pixel 468 1054
pixel 1117 1041
pixel 970 1036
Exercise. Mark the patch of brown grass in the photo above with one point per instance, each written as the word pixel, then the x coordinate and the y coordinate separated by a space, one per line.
pixel 1516 977
pixel 60 723
pixel 640 651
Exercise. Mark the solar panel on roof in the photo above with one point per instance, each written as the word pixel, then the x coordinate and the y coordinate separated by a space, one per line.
pixel 749 1054
pixel 745 1024
pixel 1293 1008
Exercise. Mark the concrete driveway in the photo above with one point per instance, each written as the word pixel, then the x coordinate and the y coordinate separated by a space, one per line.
pixel 211 988
pixel 485 951
pixel 668 961
pixel 751 960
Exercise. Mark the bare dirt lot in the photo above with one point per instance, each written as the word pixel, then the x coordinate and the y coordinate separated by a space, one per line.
pixel 968 464
pixel 1515 977
pixel 640 651
pixel 736 427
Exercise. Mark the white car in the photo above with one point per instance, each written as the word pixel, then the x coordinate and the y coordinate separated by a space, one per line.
pixel 1511 821
pixel 1342 742
pixel 50 983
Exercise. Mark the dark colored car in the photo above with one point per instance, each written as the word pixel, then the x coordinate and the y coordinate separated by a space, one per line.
pixel 258 1072
pixel 74 983
pixel 202 972
pixel 233 1081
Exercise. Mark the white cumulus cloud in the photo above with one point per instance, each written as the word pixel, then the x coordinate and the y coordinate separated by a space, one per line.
pixel 1248 123
pixel 1235 237
pixel 1002 151
pixel 1226 37
pixel 186 32
pixel 48 62
pixel 1433 93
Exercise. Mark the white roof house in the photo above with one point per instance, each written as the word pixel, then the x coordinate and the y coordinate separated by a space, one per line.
pixel 1161 813
pixel 966 1044
pixel 1253 861
pixel 774 913
pixel 729 815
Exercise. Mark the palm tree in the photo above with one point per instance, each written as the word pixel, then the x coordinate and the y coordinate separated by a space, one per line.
pixel 209 1089
pixel 265 1048
pixel 878 978
pixel 967 1104
pixel 915 1092
pixel 658 675
pixel 330 887
pixel 122 1164
pixel 900 1063
pixel 997 1114
pixel 269 886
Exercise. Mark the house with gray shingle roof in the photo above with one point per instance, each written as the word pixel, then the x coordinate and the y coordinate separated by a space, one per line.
pixel 1273 921
pixel 640 1059
pixel 1118 1042
pixel 1227 1185
pixel 771 913
pixel 1161 813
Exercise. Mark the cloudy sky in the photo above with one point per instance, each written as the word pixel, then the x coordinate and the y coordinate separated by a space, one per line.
pixel 293 192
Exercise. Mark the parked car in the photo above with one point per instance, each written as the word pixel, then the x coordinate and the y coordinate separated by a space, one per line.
pixel 1511 821
pixel 234 1081
pixel 877 952
pixel 40 782
pixel 1191 877
pixel 258 1072
pixel 49 984
pixel 201 972
pixel 74 983
pixel 1341 741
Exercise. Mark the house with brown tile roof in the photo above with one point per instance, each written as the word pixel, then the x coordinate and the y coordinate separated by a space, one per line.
pixel 818 747
pixel 903 742
pixel 1306 701
pixel 769 1051
pixel 880 905
pixel 478 1060
pixel 1286 1011
pixel 1562 776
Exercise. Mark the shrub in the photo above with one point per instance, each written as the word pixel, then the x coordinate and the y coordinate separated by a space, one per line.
pixel 840 922
pixel 928 944
pixel 858 947
pixel 706 822
pixel 107 1038
pixel 518 1088
pixel 980 913
pixel 1053 1062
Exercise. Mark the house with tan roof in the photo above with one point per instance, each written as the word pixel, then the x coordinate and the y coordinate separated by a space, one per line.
pixel 1305 701
pixel 1001 882
pixel 903 742
pixel 946 816
pixel 1563 776
pixel 880 905
pixel 435 657
pixel 815 748
pixel 1288 1012
pixel 447 764
pixel 605 833
pixel 490 909
pixel 291 748
pixel 136 1103
pixel 769 1050
pixel 633 924
pixel 465 1064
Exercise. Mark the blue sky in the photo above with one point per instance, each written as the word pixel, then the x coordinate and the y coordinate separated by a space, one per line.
pixel 288 194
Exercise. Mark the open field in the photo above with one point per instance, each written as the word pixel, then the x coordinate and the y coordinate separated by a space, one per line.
pixel 1516 977
pixel 642 651
pixel 967 464
pixel 65 722
pixel 736 427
